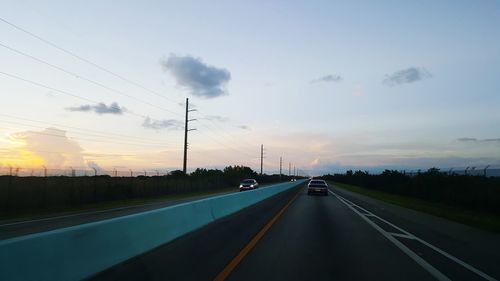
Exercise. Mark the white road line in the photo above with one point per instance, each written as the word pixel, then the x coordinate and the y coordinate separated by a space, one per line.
pixel 387 234
pixel 401 235
pixel 429 268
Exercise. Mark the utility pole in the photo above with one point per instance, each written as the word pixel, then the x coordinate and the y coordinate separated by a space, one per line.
pixel 294 174
pixel 261 157
pixel 289 168
pixel 281 162
pixel 186 130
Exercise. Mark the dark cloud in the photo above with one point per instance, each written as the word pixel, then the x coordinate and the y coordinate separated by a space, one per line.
pixel 169 124
pixel 244 127
pixel 100 108
pixel 478 140
pixel 404 76
pixel 467 139
pixel 201 79
pixel 217 118
pixel 328 78
pixel 492 140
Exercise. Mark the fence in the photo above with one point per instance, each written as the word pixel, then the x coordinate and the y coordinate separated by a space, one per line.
pixel 72 172
pixel 21 195
pixel 486 171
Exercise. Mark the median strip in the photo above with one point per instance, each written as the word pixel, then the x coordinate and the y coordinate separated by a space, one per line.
pixel 77 252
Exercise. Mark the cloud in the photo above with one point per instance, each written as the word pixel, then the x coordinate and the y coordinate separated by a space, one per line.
pixel 357 91
pixel 100 108
pixel 467 139
pixel 94 165
pixel 478 140
pixel 200 79
pixel 314 162
pixel 405 76
pixel 244 127
pixel 170 124
pixel 50 147
pixel 217 118
pixel 328 78
pixel 492 140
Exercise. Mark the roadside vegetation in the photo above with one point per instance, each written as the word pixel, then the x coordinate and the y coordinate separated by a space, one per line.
pixel 472 200
pixel 32 196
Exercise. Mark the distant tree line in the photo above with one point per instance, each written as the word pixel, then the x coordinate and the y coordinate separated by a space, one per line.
pixel 29 195
pixel 471 192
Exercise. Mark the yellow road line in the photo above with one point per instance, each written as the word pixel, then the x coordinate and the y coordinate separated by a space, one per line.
pixel 241 255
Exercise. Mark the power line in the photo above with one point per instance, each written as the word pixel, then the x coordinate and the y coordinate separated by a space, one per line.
pixel 12 76
pixel 223 132
pixel 84 78
pixel 80 129
pixel 203 124
pixel 85 139
pixel 226 145
pixel 66 152
pixel 78 76
pixel 84 134
pixel 84 59
pixel 47 87
pixel 86 99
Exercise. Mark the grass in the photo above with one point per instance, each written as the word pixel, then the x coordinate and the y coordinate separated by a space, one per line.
pixel 478 219
pixel 108 205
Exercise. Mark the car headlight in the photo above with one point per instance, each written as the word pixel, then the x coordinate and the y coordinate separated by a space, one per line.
pixel 241 185
pixel 251 185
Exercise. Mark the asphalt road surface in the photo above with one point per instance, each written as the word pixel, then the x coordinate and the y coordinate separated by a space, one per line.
pixel 343 236
pixel 10 229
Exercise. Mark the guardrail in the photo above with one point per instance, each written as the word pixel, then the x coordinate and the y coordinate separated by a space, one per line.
pixel 81 251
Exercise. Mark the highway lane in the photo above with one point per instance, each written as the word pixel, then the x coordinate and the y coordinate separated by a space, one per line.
pixel 477 248
pixel 320 238
pixel 9 229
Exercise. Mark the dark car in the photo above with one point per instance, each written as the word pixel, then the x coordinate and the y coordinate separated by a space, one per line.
pixel 248 184
pixel 317 187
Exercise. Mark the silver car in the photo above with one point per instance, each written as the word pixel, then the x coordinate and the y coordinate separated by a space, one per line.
pixel 248 184
pixel 317 187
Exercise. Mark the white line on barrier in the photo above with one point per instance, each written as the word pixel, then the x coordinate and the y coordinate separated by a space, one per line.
pixel 405 249
pixel 173 202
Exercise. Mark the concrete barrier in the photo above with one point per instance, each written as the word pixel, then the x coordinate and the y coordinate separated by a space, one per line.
pixel 81 251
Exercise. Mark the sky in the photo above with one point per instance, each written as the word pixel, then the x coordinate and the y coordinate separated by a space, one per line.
pixel 326 85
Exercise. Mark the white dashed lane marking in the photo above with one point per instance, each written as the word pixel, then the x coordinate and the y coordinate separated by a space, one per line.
pixel 391 236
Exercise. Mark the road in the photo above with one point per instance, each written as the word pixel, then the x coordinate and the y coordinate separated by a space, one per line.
pixel 10 229
pixel 344 236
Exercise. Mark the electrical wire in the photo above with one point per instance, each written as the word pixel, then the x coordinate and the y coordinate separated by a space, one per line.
pixel 81 129
pixel 89 80
pixel 78 76
pixel 84 139
pixel 86 134
pixel 85 60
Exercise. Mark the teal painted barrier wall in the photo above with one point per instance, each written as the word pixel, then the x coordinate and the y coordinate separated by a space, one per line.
pixel 81 251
